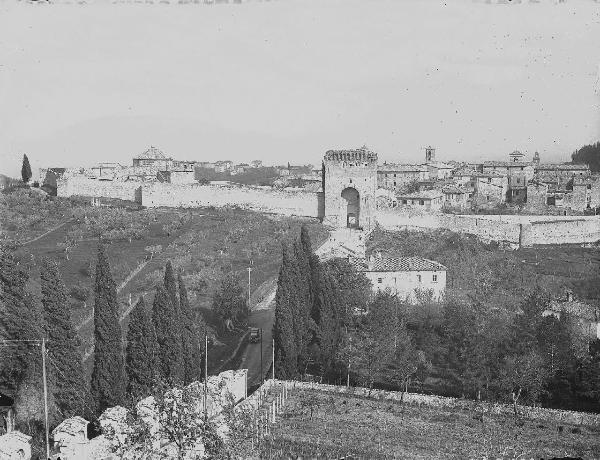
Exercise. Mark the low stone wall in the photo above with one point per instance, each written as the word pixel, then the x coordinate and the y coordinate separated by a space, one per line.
pixel 291 203
pixel 536 413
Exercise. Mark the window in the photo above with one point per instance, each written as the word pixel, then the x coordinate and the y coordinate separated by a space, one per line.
pixel 435 278
pixel 489 180
pixel 379 280
pixel 521 168
pixel 350 180
pixel 419 278
pixel 403 201
pixel 518 180
pixel 394 182
pixel 421 202
pixel 487 197
pixel 394 175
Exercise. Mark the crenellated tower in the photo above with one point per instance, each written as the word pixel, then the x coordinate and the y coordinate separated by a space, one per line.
pixel 349 184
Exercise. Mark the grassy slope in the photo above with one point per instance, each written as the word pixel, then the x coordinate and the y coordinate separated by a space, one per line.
pixel 371 429
pixel 215 242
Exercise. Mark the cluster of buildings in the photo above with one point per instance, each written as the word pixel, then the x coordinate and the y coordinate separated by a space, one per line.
pixel 538 187
pixel 531 187
pixel 153 165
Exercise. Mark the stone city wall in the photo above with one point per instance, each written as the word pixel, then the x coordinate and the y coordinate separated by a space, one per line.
pixel 563 231
pixel 515 230
pixel 84 186
pixel 291 203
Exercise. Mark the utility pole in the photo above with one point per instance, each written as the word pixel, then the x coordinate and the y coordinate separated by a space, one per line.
pixel 262 374
pixel 45 395
pixel 249 270
pixel 205 376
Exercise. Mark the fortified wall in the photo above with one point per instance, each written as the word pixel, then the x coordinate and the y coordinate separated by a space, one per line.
pixel 84 186
pixel 289 203
pixel 517 231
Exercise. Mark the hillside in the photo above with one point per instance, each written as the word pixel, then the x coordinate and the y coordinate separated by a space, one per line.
pixel 205 244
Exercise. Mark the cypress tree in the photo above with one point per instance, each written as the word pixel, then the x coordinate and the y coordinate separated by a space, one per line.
pixel 65 368
pixel 192 336
pixel 303 299
pixel 26 170
pixel 18 322
pixel 286 361
pixel 171 286
pixel 329 325
pixel 142 353
pixel 168 336
pixel 108 385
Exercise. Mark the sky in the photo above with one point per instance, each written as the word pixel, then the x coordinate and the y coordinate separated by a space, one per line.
pixel 287 80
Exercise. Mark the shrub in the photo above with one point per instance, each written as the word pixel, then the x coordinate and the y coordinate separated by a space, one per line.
pixel 80 292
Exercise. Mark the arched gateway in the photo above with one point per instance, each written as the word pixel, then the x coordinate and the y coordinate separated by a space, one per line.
pixel 352 199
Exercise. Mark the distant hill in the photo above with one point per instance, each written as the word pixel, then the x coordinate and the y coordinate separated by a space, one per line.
pixel 588 154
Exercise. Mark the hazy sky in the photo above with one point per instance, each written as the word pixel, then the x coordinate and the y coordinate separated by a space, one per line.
pixel 287 80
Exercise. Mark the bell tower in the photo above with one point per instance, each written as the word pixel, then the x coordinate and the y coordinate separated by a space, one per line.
pixel 429 154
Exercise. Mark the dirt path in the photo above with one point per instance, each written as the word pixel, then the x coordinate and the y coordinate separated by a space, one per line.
pixel 130 277
pixel 47 233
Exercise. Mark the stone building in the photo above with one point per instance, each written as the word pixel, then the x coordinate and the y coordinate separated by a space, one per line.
pixel 153 158
pixel 409 278
pixel 519 174
pixel 426 200
pixel 396 176
pixel 350 184
pixel 561 173
pixel 457 197
pixel 439 170
pixel 490 188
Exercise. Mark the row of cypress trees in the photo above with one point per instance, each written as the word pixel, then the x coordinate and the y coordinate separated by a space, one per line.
pixel 309 316
pixel 24 322
pixel 165 344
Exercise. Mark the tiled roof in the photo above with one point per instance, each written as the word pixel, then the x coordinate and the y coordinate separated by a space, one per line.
pixel 439 165
pixel 562 167
pixel 505 164
pixel 393 167
pixel 403 264
pixel 424 195
pixel 151 154
pixel 456 189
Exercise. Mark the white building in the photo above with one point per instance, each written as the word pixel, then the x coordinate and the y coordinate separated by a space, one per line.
pixel 410 278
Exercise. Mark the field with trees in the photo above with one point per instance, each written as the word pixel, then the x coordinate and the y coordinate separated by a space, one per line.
pixel 323 425
pixel 487 340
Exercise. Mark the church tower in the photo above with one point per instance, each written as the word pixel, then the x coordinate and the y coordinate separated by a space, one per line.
pixel 429 154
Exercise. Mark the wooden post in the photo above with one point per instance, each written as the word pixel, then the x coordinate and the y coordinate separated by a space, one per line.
pixel 205 377
pixel 45 396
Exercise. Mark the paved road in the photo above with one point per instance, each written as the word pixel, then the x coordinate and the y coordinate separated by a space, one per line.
pixel 262 316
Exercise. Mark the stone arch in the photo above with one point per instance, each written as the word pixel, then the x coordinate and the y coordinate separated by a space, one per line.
pixel 351 198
